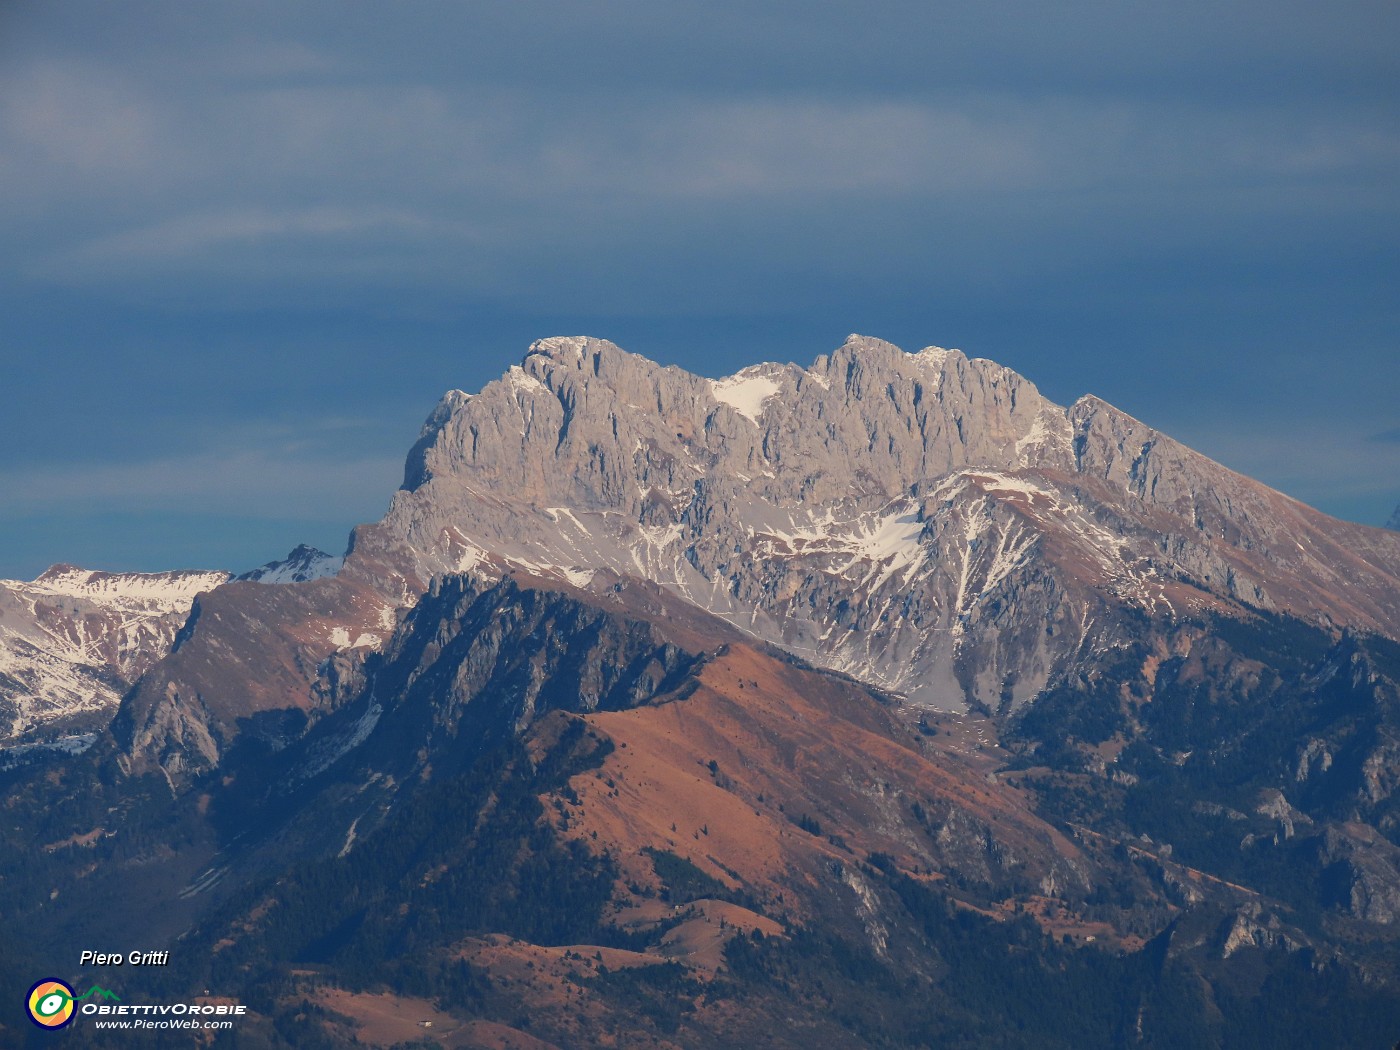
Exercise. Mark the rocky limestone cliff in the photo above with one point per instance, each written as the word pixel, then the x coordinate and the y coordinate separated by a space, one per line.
pixel 901 517
pixel 495 657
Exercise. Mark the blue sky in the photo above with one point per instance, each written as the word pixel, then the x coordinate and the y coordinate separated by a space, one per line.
pixel 244 247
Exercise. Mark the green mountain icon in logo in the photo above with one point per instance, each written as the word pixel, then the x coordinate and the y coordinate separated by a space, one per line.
pixel 100 992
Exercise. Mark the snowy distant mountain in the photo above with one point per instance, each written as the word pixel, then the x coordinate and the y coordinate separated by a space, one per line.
pixel 302 564
pixel 73 640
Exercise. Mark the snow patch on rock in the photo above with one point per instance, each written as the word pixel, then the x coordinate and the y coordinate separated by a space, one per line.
pixel 746 392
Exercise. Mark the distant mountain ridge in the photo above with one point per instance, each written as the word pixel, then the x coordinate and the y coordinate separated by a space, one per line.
pixel 927 523
pixel 73 640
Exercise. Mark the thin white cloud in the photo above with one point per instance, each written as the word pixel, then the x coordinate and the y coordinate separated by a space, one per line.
pixel 179 239
pixel 364 144
pixel 244 482
pixel 363 176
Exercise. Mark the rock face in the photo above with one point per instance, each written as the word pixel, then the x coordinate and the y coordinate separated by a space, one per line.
pixel 1362 872
pixel 700 717
pixel 916 520
pixel 73 640
pixel 499 656
pixel 248 648
pixel 927 523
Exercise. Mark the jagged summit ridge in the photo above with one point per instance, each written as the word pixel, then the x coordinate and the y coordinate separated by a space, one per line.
pixel 908 416
pixel 875 512
pixel 127 589
pixel 586 457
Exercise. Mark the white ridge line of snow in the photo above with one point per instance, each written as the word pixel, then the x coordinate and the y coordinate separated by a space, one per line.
pixel 349 839
pixel 331 751
pixel 122 589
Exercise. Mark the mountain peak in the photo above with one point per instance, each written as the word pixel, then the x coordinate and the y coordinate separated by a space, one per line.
pixel 303 564
pixel 856 341
pixel 927 523
pixel 562 347
pixel 60 571
pixel 868 348
pixel 761 493
pixel 581 353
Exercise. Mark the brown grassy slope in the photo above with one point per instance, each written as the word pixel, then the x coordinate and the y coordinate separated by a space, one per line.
pixel 723 776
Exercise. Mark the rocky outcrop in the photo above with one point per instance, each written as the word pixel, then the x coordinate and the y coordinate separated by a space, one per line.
pixel 1253 927
pixel 1273 805
pixel 494 657
pixel 1361 872
pixel 249 649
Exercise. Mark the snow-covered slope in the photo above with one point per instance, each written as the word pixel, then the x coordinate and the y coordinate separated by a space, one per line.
pixel 73 640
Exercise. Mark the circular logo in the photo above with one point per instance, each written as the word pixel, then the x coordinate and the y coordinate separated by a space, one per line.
pixel 51 1003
